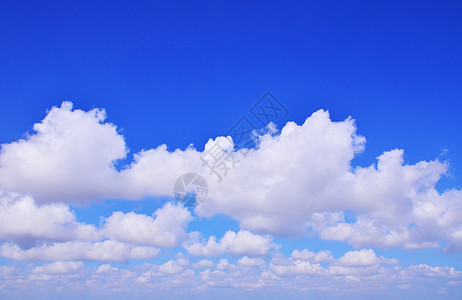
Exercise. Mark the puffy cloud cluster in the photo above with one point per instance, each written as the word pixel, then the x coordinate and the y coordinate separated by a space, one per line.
pixel 51 232
pixel 108 250
pixel 166 228
pixel 23 221
pixel 355 273
pixel 69 157
pixel 298 179
pixel 362 258
pixel 322 256
pixel 241 243
pixel 303 178
pixel 58 267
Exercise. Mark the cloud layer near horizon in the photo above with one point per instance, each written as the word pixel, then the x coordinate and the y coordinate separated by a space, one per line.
pixel 297 179
pixel 355 271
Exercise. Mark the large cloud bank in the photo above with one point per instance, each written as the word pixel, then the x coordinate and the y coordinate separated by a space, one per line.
pixel 297 180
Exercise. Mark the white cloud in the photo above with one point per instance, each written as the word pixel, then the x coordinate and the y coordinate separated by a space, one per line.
pixel 242 243
pixel 355 263
pixel 354 273
pixel 295 268
pixel 361 258
pixel 51 232
pixel 301 178
pixel 105 269
pixel 154 171
pixel 174 266
pixel 21 220
pixel 164 229
pixel 202 264
pixel 429 271
pixel 108 250
pixel 305 254
pixel 59 267
pixel 277 188
pixel 224 264
pixel 251 262
pixel 69 157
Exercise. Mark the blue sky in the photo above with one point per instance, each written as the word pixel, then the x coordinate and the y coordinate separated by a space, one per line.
pixel 182 73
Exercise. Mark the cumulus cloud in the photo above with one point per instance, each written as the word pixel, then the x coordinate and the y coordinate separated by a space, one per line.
pixel 224 264
pixel 23 221
pixel 298 179
pixel 164 229
pixel 303 178
pixel 204 263
pixel 70 156
pixel 305 254
pixel 251 262
pixel 356 263
pixel 352 273
pixel 174 266
pixel 297 267
pixel 362 258
pixel 59 267
pixel 276 188
pixel 51 232
pixel 241 243
pixel 108 250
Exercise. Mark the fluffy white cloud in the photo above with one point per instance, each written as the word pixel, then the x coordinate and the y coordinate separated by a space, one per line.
pixel 301 171
pixel 174 266
pixel 361 258
pixel 297 267
pixel 164 229
pixel 23 221
pixel 108 250
pixel 105 269
pixel 303 178
pixel 429 271
pixel 69 157
pixel 154 171
pixel 251 262
pixel 224 264
pixel 300 178
pixel 354 273
pixel 456 240
pixel 355 263
pixel 305 254
pixel 202 264
pixel 51 232
pixel 237 244
pixel 59 267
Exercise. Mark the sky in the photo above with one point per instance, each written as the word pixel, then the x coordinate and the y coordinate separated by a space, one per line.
pixel 320 141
